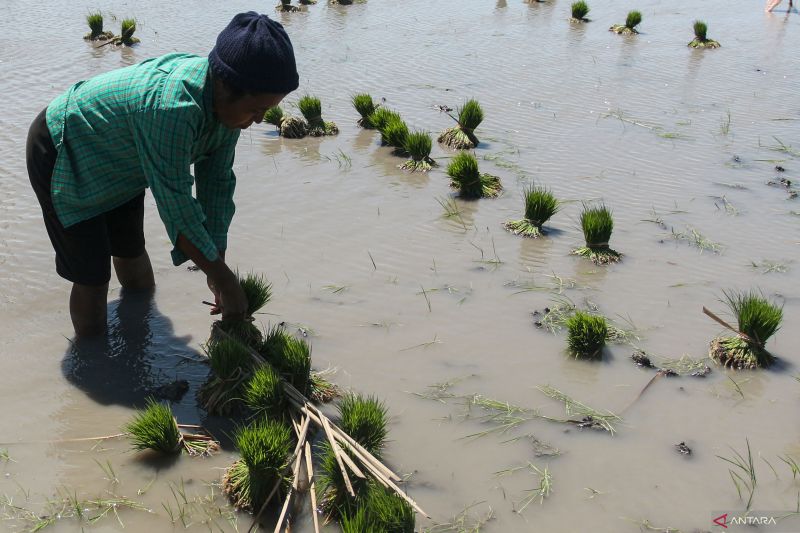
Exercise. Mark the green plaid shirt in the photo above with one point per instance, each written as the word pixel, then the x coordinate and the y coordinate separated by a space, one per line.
pixel 144 126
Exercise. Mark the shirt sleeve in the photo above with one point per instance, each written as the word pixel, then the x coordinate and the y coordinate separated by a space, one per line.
pixel 164 140
pixel 215 182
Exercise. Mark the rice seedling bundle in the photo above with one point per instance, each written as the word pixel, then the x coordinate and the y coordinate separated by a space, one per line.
pixel 758 319
pixel 462 136
pixel 231 367
pixel 381 116
pixel 388 511
pixel 154 428
pixel 288 126
pixel 700 36
pixel 597 224
pixel 286 7
pixel 264 394
pixel 126 35
pixel 540 206
pixel 290 356
pixel 467 179
pixel 633 19
pixel 364 419
pixel 365 107
pixel 418 145
pixel 579 11
pixel 96 33
pixel 311 109
pixel 257 290
pixel 265 448
pixel 586 335
pixel 394 133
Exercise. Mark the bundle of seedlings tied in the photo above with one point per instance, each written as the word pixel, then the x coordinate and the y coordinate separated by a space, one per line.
pixel 462 136
pixel 418 145
pixel 467 179
pixel 365 107
pixel 700 40
pixel 370 506
pixel 394 133
pixel 288 126
pixel 633 19
pixel 579 11
pixel 381 116
pixel 597 224
pixel 311 108
pixel 126 37
pixel 155 428
pixel 586 335
pixel 96 33
pixel 261 473
pixel 258 291
pixel 758 319
pixel 540 206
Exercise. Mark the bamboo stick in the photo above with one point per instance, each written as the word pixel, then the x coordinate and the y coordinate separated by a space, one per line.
pixel 292 489
pixel 312 486
pixel 337 452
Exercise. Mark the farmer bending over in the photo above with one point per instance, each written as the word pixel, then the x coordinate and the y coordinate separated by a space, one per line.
pixel 95 149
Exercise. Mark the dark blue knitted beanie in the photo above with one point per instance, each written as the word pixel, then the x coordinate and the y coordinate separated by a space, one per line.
pixel 254 54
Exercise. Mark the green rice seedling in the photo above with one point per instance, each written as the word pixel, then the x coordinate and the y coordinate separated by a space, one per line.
pixel 155 428
pixel 418 145
pixel 357 521
pixel 323 390
pixel 394 133
pixel 586 335
pixel 257 290
pixel 471 184
pixel 290 356
pixel 758 319
pixel 700 36
pixel 364 419
pixel 274 115
pixel 633 19
pixel 231 367
pixel 288 126
pixel 126 35
pixel 381 116
pixel 388 511
pixel 264 394
pixel 540 206
pixel 311 109
pixel 242 330
pixel 265 447
pixel 96 33
pixel 333 496
pixel 579 11
pixel 462 136
pixel 597 224
pixel 365 107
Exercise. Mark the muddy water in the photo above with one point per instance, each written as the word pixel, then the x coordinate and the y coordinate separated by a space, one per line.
pixel 656 130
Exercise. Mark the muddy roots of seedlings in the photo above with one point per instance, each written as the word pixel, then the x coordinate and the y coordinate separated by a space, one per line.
pixel 758 320
pixel 579 11
pixel 286 7
pixel 265 447
pixel 418 145
pixel 311 109
pixel 597 224
pixel 586 335
pixel 366 107
pixel 288 126
pixel 633 19
pixel 540 206
pixel 96 33
pixel 462 136
pixel 323 390
pixel 231 367
pixel 470 183
pixel 700 39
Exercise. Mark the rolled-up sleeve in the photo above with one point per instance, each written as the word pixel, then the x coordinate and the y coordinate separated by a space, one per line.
pixel 215 182
pixel 164 140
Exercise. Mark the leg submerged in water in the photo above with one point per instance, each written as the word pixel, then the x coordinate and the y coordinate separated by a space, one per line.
pixel 135 273
pixel 87 308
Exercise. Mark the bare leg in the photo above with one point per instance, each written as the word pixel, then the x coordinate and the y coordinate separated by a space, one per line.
pixel 135 273
pixel 772 4
pixel 87 308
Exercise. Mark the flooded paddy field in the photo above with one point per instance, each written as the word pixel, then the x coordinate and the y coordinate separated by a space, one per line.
pixel 424 299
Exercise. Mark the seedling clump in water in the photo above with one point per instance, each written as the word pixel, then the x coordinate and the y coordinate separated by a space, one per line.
pixel 633 19
pixel 471 184
pixel 231 366
pixel 700 40
pixel 126 35
pixel 758 319
pixel 462 136
pixel 155 428
pixel 264 394
pixel 288 126
pixel 586 335
pixel 311 108
pixel 597 224
pixel 96 33
pixel 286 7
pixel 394 133
pixel 540 206
pixel 418 145
pixel 579 11
pixel 365 107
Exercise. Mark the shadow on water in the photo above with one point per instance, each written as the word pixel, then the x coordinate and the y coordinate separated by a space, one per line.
pixel 141 357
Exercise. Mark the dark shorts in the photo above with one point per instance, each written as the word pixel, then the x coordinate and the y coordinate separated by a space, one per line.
pixel 83 250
